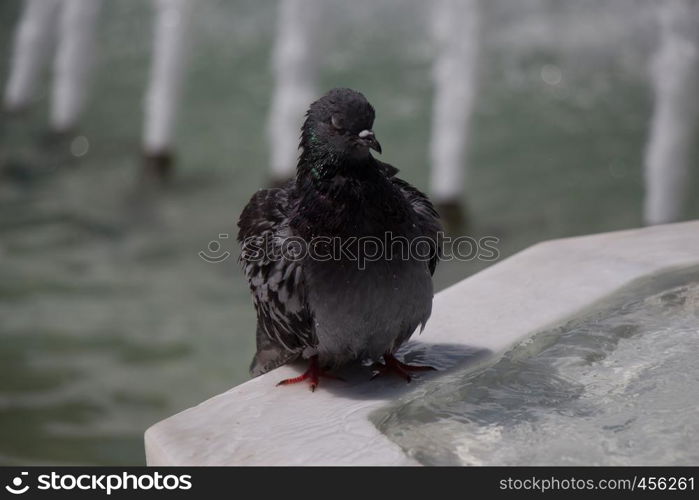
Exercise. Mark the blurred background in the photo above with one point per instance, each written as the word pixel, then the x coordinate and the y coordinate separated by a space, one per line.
pixel 109 318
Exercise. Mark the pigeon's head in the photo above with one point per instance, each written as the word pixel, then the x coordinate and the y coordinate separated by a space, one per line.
pixel 339 125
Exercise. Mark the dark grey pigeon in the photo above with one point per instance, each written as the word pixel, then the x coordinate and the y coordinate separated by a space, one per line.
pixel 323 285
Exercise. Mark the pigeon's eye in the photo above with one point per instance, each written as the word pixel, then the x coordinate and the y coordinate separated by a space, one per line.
pixel 336 121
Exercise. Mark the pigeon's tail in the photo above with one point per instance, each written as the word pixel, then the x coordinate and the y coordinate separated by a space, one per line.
pixel 269 356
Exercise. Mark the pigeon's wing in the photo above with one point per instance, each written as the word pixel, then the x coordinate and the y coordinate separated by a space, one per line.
pixel 427 217
pixel 284 322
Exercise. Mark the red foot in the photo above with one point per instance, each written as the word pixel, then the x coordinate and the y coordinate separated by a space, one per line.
pixel 312 375
pixel 392 365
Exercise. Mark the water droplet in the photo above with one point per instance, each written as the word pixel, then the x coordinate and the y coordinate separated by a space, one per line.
pixel 79 146
pixel 551 74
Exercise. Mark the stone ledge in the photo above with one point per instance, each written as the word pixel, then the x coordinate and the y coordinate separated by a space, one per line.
pixel 473 321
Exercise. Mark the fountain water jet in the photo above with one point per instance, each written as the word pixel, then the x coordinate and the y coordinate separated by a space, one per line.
pixel 73 62
pixel 455 27
pixel 294 69
pixel 675 77
pixel 165 85
pixel 33 39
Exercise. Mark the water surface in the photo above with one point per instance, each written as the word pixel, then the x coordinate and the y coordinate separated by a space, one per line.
pixel 616 386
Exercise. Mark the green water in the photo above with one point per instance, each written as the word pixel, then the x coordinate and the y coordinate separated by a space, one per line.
pixel 110 321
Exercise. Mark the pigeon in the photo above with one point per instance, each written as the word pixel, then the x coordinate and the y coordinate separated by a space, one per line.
pixel 320 290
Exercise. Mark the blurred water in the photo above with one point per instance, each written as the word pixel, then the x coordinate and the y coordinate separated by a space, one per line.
pixel 617 386
pixel 110 321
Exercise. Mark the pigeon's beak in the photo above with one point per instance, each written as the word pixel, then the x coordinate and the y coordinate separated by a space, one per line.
pixel 367 137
